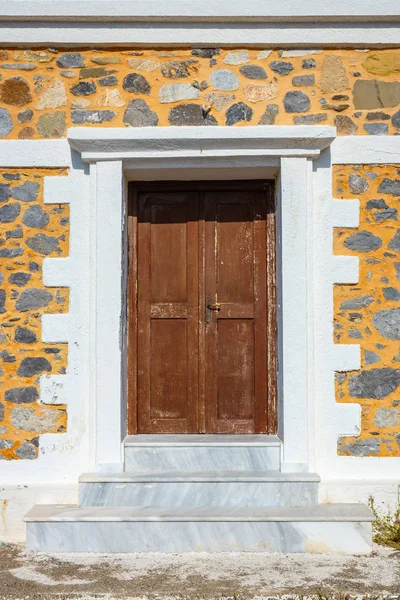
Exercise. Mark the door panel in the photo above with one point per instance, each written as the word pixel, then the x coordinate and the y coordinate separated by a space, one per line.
pixel 167 312
pixel 235 278
pixel 194 376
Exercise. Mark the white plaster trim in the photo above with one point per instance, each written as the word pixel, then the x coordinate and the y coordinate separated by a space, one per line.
pixel 345 213
pixel 34 153
pixel 190 10
pixel 344 269
pixel 365 149
pixel 161 35
pixel 181 142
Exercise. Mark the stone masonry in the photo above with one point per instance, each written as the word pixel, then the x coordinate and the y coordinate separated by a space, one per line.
pixel 45 91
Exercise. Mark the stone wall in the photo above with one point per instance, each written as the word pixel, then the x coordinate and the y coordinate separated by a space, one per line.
pixel 29 232
pixel 45 91
pixel 369 313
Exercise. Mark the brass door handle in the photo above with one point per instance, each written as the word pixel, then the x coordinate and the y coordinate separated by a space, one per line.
pixel 209 307
pixel 215 306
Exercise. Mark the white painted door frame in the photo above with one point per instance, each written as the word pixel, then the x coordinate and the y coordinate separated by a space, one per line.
pixel 116 156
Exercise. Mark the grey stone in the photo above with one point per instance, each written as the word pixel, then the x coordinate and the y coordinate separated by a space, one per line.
pixel 3 301
pixel 303 80
pixel 9 212
pixel 397 267
pixel 25 116
pixel 224 80
pixel 280 66
pixel 139 114
pixel 95 72
pixel 374 383
pixel 396 120
pixel 372 93
pixel 10 252
pixel 357 184
pixel 33 266
pixel 36 217
pixel 27 192
pixel 19 279
pixel 25 336
pixel 362 447
pixel 389 214
pixel 387 322
pixel 43 244
pixel 22 395
pixel 357 303
pixel 108 81
pixel 52 125
pixel 6 444
pixel 363 241
pixel 370 358
pixel 70 60
pixel 14 233
pixel 1 278
pixel 236 57
pixel 5 192
pixel 295 102
pixel 6 122
pixel 377 116
pixel 83 88
pixel 136 84
pixel 376 128
pixel 345 125
pixel 253 72
pixel 205 52
pixel 376 203
pixel 394 243
pixel 355 334
pixel 389 186
pixel 309 119
pixel 92 116
pixel 387 417
pixel 190 114
pixel 174 92
pixel 175 69
pixel 26 451
pixel 269 116
pixel 33 298
pixel 1 411
pixel 33 366
pixel 238 112
pixel 25 419
pixel 18 66
pixel 308 63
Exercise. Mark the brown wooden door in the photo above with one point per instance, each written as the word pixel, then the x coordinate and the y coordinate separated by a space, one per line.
pixel 202 310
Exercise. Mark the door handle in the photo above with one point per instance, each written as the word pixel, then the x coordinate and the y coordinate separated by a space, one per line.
pixel 209 307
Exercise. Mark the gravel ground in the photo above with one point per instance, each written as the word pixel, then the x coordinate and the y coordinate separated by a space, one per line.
pixel 196 576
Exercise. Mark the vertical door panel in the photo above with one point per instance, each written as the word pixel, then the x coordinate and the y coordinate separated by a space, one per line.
pixel 235 278
pixel 168 312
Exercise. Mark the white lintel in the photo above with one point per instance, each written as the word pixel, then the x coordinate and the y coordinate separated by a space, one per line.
pixel 182 142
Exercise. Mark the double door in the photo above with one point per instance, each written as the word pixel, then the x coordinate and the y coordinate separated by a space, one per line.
pixel 202 309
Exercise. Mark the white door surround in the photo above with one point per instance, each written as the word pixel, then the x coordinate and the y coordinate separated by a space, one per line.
pixel 116 156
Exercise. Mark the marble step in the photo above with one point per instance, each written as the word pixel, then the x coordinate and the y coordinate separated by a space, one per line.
pixel 149 453
pixel 199 488
pixel 335 528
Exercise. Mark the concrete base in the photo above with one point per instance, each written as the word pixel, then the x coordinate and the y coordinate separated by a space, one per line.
pixel 343 529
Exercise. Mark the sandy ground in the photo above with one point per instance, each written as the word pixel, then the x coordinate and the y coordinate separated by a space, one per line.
pixel 195 576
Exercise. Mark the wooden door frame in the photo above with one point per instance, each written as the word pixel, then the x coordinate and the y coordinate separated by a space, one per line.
pixel 132 288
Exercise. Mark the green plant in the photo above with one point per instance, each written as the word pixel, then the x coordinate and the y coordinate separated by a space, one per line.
pixel 386 528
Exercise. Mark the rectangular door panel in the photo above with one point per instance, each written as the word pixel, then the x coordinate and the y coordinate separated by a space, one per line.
pixel 235 280
pixel 168 308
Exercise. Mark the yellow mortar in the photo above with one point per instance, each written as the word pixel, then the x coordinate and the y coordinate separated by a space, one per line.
pixel 58 226
pixel 375 265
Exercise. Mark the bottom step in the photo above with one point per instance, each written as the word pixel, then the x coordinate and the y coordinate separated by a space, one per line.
pixel 334 528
